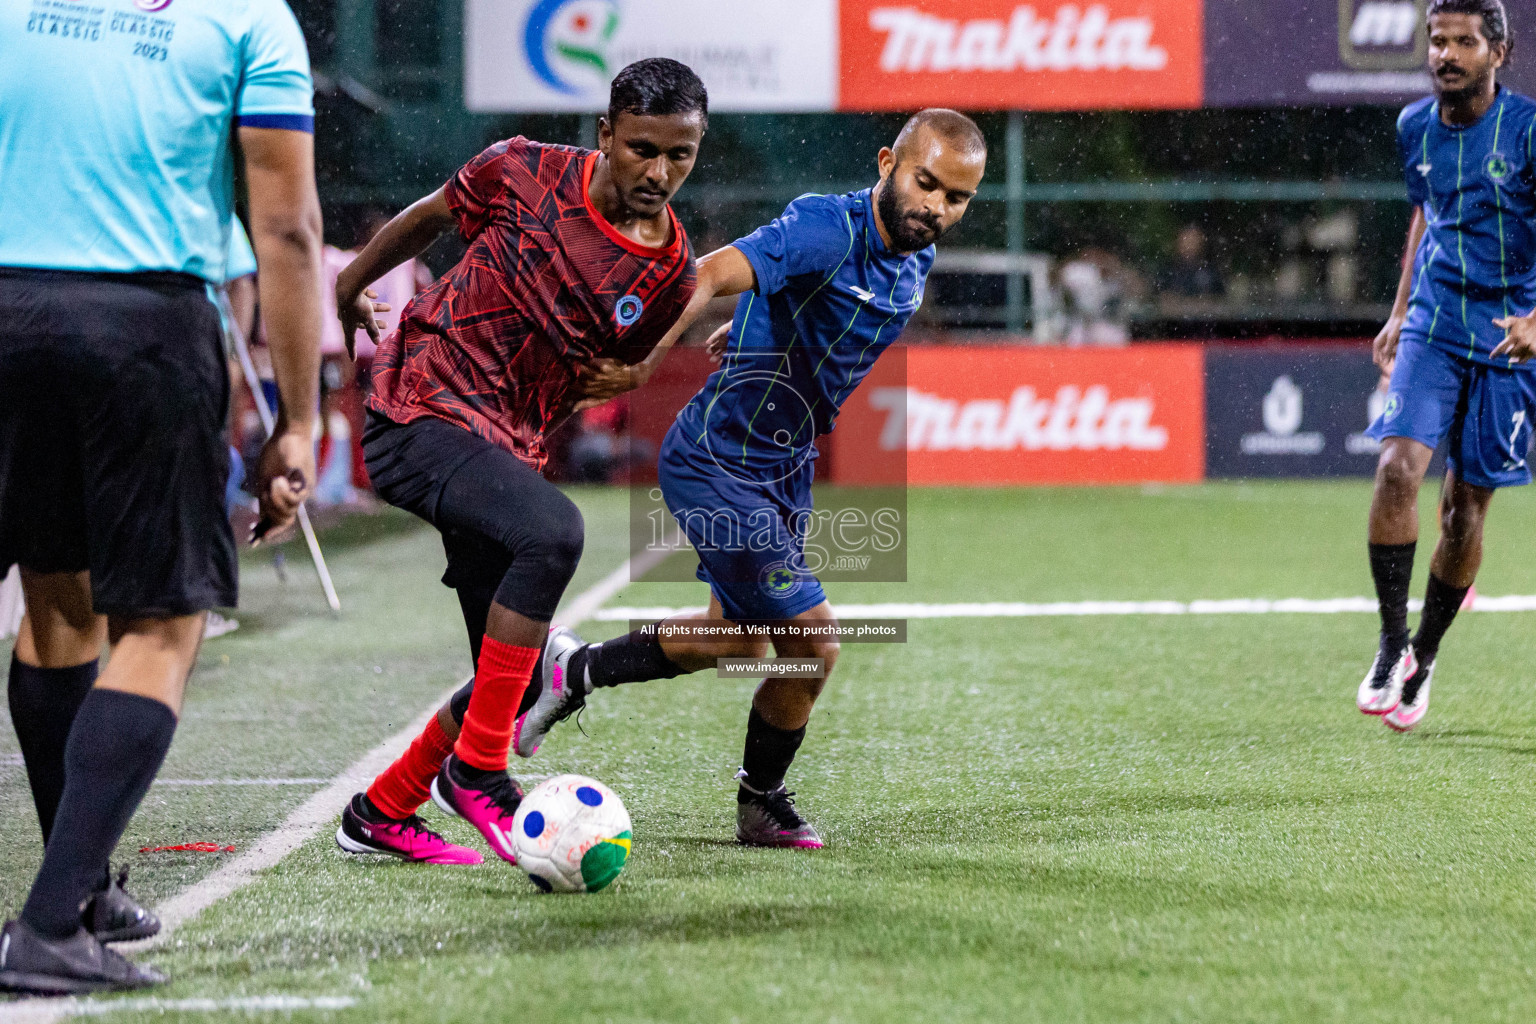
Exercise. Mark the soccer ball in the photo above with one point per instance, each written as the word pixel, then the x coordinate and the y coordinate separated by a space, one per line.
pixel 571 834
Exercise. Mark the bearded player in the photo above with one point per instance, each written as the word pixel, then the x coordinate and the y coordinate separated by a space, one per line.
pixel 1457 343
pixel 824 290
pixel 575 262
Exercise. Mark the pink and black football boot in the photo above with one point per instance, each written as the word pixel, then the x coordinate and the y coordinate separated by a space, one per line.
pixel 362 832
pixel 487 800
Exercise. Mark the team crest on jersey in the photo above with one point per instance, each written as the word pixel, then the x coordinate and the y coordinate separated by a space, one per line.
pixel 151 5
pixel 1392 408
pixel 1497 167
pixel 628 309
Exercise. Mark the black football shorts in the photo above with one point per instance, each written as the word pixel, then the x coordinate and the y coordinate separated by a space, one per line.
pixel 113 450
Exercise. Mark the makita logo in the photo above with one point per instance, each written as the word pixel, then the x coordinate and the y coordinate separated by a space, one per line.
pixel 1070 39
pixel 1073 420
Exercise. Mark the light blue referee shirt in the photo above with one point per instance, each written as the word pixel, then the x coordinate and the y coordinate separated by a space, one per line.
pixel 116 126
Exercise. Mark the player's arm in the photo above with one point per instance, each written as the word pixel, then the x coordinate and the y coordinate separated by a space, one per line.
pixel 1384 349
pixel 285 232
pixel 723 272
pixel 405 237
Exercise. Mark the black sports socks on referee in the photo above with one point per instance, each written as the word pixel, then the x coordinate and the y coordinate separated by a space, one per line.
pixel 115 747
pixel 1392 571
pixel 43 703
pixel 632 658
pixel 1441 603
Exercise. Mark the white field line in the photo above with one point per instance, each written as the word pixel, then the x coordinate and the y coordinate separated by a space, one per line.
pixel 314 814
pixel 40 1011
pixel 1019 610
pixel 241 782
pixel 320 810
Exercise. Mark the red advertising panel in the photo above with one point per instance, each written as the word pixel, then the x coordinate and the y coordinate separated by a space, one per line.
pixel 1028 416
pixel 1000 54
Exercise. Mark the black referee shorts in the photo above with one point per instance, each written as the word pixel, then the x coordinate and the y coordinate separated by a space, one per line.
pixel 113 454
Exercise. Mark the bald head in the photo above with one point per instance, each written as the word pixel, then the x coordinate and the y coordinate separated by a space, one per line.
pixel 950 127
pixel 928 178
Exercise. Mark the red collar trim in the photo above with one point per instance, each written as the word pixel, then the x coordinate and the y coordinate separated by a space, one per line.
pixel 613 233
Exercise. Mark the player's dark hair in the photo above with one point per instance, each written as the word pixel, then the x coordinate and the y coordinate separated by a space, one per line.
pixel 655 87
pixel 1495 17
pixel 950 125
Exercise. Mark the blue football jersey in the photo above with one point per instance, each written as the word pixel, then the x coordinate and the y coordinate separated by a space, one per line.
pixel 829 298
pixel 1477 187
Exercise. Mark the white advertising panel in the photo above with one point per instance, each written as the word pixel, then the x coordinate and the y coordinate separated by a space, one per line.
pixel 560 55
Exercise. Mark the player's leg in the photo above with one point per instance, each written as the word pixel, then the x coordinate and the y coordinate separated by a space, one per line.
pixel 571 670
pixel 494 498
pixel 781 710
pixel 406 463
pixel 1452 571
pixel 1490 442
pixel 53 667
pixel 1422 399
pixel 140 505
pixel 383 819
pixel 117 742
pixel 714 510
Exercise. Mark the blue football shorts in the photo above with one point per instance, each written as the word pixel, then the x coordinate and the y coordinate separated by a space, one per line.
pixel 748 529
pixel 1485 411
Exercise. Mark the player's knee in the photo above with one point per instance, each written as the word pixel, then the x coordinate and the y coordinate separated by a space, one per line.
pixel 813 688
pixel 827 651
pixel 1396 474
pixel 1461 522
pixel 560 541
pixel 745 647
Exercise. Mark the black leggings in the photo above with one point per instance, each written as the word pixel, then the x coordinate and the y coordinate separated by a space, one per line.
pixel 510 535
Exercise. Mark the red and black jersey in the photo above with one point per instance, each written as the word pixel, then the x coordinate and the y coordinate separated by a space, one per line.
pixel 547 285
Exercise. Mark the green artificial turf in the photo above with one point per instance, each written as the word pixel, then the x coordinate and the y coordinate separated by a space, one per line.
pixel 1095 819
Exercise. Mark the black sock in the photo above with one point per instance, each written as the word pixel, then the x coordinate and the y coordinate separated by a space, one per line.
pixel 466 774
pixel 769 752
pixel 1441 603
pixel 369 811
pixel 1392 569
pixel 115 748
pixel 632 658
pixel 458 704
pixel 43 704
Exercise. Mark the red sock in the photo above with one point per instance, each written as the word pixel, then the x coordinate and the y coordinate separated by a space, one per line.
pixel 500 679
pixel 406 784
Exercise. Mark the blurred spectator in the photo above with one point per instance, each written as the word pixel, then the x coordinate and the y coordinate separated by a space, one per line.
pixel 1191 275
pixel 342 406
pixel 1098 294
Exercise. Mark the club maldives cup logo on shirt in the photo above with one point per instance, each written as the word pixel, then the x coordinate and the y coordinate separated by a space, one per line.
pixel 566 42
pixel 151 5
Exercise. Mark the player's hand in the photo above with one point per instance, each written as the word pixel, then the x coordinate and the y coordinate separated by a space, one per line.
pixel 1384 348
pixel 357 312
pixel 602 379
pixel 283 472
pixel 717 342
pixel 1519 342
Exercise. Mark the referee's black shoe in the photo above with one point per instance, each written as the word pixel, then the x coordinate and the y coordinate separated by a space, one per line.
pixel 112 915
pixel 30 962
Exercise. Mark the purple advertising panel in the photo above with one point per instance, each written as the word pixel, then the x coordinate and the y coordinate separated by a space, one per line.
pixel 1328 52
